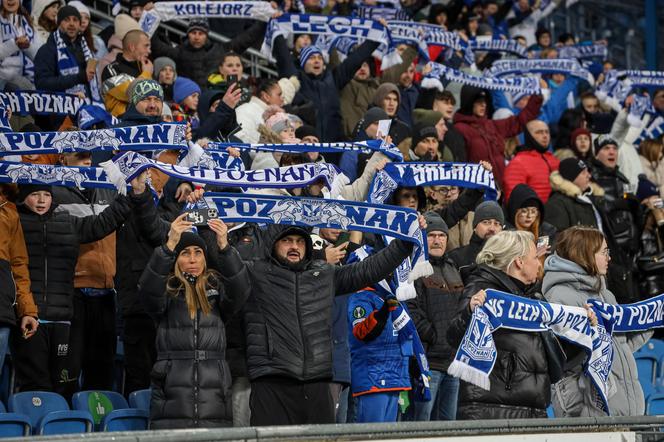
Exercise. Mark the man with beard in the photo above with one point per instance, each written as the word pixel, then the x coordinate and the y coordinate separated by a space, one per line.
pixel 287 322
pixel 489 220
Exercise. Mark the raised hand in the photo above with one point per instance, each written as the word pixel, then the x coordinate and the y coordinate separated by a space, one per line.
pixel 334 255
pixel 221 230
pixel 178 226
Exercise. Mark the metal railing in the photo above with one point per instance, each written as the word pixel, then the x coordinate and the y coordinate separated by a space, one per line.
pixel 255 63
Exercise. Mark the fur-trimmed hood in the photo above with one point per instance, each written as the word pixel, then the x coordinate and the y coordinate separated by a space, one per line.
pixel 568 188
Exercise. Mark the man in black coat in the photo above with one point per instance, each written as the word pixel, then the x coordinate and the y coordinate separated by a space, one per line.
pixel 287 322
pixel 432 311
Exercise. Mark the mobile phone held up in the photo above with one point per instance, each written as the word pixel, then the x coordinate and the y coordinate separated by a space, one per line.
pixel 231 79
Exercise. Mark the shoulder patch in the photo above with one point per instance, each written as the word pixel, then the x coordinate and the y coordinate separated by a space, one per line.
pixel 359 312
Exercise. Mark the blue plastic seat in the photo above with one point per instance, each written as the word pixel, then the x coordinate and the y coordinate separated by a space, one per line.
pixel 13 424
pixel 110 411
pixel 140 399
pixel 655 404
pixel 654 348
pixel 549 412
pixel 49 413
pixel 647 368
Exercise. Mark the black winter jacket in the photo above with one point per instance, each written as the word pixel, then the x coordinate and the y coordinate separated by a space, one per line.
pixel 52 241
pixel 520 383
pixel 190 381
pixel 197 64
pixel 434 308
pixel 464 257
pixel 287 318
pixel 47 76
pixel 214 125
pixel 324 89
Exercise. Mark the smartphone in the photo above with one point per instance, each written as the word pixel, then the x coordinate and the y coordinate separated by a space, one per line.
pixel 231 79
pixel 343 237
pixel 542 241
pixel 200 217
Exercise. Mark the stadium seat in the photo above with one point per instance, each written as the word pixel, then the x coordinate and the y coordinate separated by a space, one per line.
pixel 647 367
pixel 140 399
pixel 654 348
pixel 110 411
pixel 655 404
pixel 13 424
pixel 549 412
pixel 49 413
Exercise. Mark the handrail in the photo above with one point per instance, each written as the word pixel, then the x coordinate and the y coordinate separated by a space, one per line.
pixel 259 65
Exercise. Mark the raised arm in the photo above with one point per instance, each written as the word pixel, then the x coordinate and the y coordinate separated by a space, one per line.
pixel 345 72
pixel 285 64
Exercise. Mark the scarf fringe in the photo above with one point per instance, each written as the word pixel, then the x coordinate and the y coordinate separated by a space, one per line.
pixel 469 374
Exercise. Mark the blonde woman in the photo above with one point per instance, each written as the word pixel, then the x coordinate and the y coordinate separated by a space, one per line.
pixel 574 274
pixel 520 381
pixel 191 380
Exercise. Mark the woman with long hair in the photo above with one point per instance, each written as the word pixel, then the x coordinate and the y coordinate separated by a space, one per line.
pixel 574 274
pixel 44 16
pixel 18 46
pixel 95 43
pixel 520 380
pixel 190 380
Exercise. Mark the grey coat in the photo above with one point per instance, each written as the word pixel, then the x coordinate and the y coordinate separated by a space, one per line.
pixel 565 282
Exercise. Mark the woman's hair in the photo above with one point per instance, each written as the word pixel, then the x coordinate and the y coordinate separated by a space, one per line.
pixel 87 35
pixel 534 227
pixel 229 54
pixel 196 295
pixel 45 23
pixel 651 149
pixel 579 244
pixel 21 11
pixel 266 85
pixel 502 249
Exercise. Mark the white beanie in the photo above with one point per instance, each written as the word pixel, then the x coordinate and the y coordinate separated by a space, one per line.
pixel 123 24
pixel 80 7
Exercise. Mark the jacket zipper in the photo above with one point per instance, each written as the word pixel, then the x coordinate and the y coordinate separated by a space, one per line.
pixel 196 368
pixel 299 323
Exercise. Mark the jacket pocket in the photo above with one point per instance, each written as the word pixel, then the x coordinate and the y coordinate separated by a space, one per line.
pixel 269 341
pixel 509 365
pixel 159 375
pixel 568 396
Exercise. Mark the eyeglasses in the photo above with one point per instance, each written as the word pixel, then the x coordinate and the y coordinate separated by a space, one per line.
pixel 605 252
pixel 528 211
pixel 446 190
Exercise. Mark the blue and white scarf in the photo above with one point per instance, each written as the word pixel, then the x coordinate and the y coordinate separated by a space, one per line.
pixel 67 65
pixel 654 129
pixel 640 106
pixel 41 103
pixel 416 174
pixel 369 146
pixel 502 68
pixel 170 10
pixel 146 137
pixel 4 120
pixel 476 356
pixel 126 166
pixel 522 85
pixel 16 25
pixel 644 78
pixel 23 173
pixel 499 45
pixel 423 35
pixel 196 156
pixel 636 317
pixel 358 28
pixel 581 52
pixel 375 13
pixel 397 222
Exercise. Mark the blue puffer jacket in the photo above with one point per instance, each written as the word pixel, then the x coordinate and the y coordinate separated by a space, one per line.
pixel 381 364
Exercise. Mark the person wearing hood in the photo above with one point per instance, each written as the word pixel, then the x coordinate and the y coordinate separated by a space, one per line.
pixel 19 44
pixel 533 162
pixel 321 84
pixel 216 110
pixel 388 98
pixel 575 273
pixel 525 211
pixel 488 221
pixel 356 97
pixel 286 319
pixel 191 303
pixel 485 138
pixel 52 239
pixel 44 16
pixel 432 311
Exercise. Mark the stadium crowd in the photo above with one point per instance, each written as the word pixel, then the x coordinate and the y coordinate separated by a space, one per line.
pixel 235 325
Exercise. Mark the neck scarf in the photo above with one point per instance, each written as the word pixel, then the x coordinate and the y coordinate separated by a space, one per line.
pixel 477 352
pixel 16 25
pixel 67 65
pixel 146 137
pixel 501 68
pixel 125 167
pixel 41 103
pixel 522 85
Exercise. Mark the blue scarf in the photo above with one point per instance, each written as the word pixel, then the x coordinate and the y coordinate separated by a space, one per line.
pixel 524 85
pixel 636 317
pixel 644 78
pixel 126 166
pixel 499 45
pixel 582 52
pixel 147 137
pixel 375 13
pixel 369 146
pixel 41 103
pixel 501 68
pixel 358 28
pixel 477 352
pixel 170 10
pixel 653 130
pixel 16 25
pixel 397 222
pixel 423 35
pixel 430 174
pixel 4 120
pixel 67 65
pixel 196 156
pixel 641 105
pixel 23 173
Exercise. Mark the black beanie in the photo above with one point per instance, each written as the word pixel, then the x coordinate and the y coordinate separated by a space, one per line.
pixel 190 239
pixel 68 11
pixel 422 131
pixel 570 168
pixel 435 223
pixel 26 189
pixel 603 140
pixel 306 131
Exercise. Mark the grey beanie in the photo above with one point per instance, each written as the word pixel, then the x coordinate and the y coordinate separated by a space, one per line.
pixel 488 210
pixel 373 115
pixel 435 223
pixel 160 63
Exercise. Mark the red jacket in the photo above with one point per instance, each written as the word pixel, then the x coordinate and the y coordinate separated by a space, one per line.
pixel 485 138
pixel 533 168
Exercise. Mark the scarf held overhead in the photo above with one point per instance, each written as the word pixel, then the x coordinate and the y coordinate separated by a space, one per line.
pixel 41 103
pixel 502 68
pixel 523 85
pixel 126 166
pixel 23 173
pixel 477 353
pixel 147 137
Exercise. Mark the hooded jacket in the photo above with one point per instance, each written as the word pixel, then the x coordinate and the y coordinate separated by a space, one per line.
pixel 289 309
pixel 485 138
pixel 520 383
pixel 565 282
pixel 521 194
pixel 568 206
pixel 38 7
pixel 532 165
pixel 214 125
